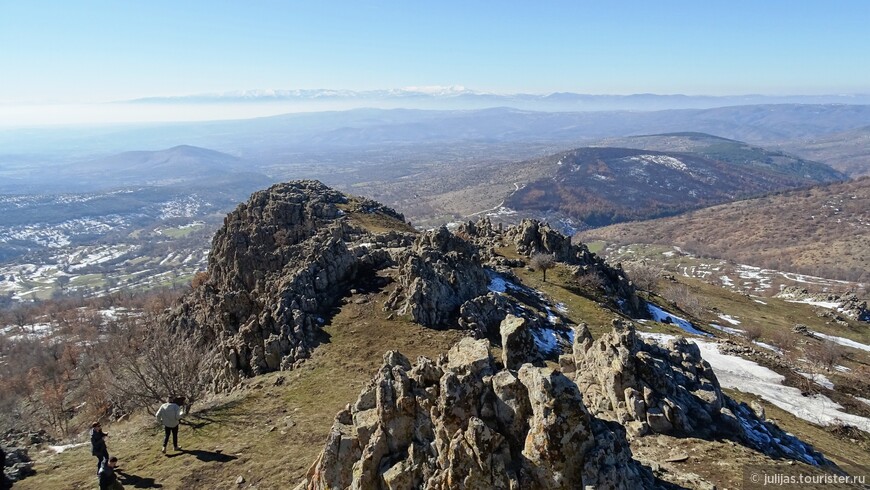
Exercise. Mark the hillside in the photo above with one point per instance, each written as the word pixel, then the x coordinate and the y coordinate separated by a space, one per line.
pixel 313 297
pixel 600 186
pixel 848 151
pixel 823 230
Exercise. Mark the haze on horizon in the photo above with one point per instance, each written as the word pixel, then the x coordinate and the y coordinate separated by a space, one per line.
pixel 71 64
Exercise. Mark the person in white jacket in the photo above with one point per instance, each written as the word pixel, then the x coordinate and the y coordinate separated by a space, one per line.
pixel 170 415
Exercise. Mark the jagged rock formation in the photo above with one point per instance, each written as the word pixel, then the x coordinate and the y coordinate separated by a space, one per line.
pixel 668 390
pixel 464 423
pixel 437 275
pixel 848 305
pixel 467 421
pixel 531 237
pixel 280 261
pixel 283 259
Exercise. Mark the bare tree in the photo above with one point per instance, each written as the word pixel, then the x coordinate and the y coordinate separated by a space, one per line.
pixel 826 355
pixel 683 297
pixel 644 276
pixel 151 363
pixel 543 262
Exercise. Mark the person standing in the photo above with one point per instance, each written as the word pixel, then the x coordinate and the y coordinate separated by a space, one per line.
pixel 108 479
pixel 170 415
pixel 98 444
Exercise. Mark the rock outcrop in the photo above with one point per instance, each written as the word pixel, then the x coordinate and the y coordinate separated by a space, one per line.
pixel 669 390
pixel 278 264
pixel 463 423
pixel 848 305
pixel 439 273
pixel 531 237
pixel 17 465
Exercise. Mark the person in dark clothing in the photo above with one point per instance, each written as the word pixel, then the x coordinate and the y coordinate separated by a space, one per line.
pixel 98 444
pixel 108 479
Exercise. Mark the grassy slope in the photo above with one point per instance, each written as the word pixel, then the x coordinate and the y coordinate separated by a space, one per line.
pixel 824 231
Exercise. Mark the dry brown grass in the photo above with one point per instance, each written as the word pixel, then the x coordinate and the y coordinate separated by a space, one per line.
pixel 823 231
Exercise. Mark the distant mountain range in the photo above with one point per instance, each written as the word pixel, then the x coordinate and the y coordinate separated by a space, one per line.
pixel 604 185
pixel 458 97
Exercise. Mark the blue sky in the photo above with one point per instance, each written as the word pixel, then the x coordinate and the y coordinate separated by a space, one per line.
pixel 88 51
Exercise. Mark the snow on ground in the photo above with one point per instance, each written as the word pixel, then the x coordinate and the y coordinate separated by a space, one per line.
pixel 730 319
pixel 726 281
pixel 550 340
pixel 738 373
pixel 842 369
pixel 819 379
pixel 765 345
pixel 32 331
pixel 732 331
pixel 663 160
pixel 831 305
pixel 100 255
pixel 497 284
pixel 663 316
pixel 759 301
pixel 842 341
pixel 863 400
pixel 62 448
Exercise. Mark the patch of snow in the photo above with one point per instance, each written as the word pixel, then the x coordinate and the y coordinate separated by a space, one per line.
pixel 759 301
pixel 738 373
pixel 64 447
pixel 663 316
pixel 730 319
pixel 863 400
pixel 819 379
pixel 726 281
pixel 842 341
pixel 660 338
pixel 669 253
pixel 497 283
pixel 663 160
pixel 546 339
pixel 842 369
pixel 561 307
pixel 767 346
pixel 732 331
pixel 831 305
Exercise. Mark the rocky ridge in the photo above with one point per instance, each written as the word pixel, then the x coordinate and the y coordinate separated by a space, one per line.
pixel 470 421
pixel 462 422
pixel 276 267
pixel 289 255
